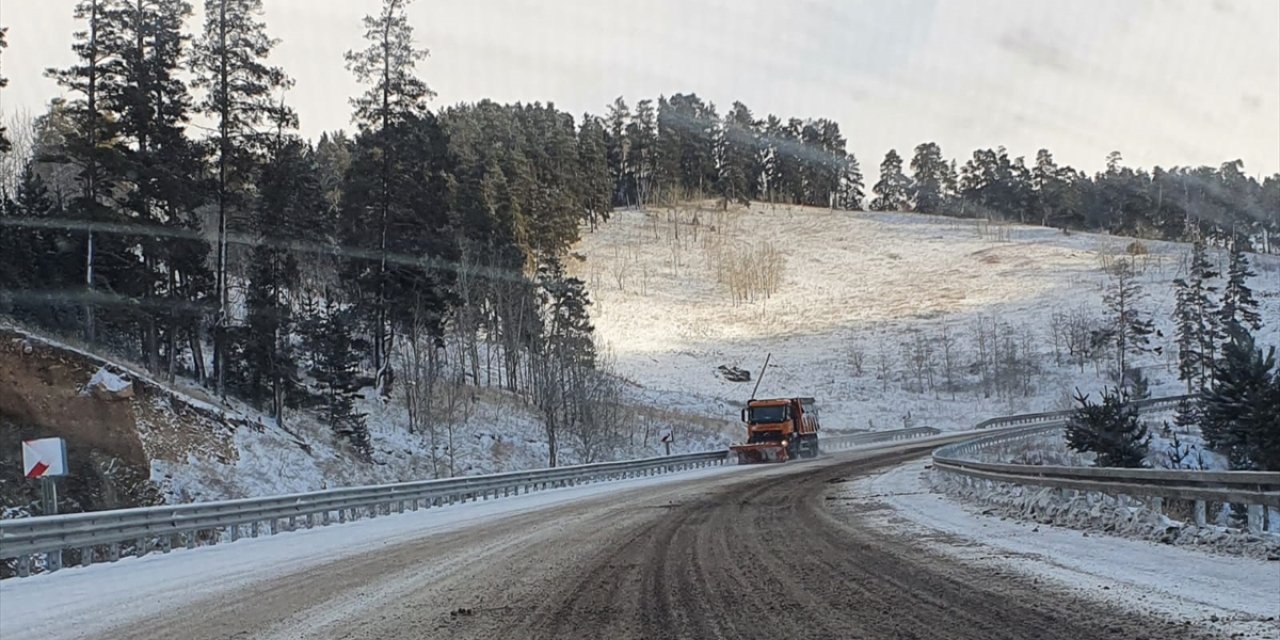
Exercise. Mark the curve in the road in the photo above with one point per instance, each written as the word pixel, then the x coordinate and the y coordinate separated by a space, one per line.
pixel 752 555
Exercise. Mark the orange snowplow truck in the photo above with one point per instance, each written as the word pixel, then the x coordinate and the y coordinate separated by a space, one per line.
pixel 779 430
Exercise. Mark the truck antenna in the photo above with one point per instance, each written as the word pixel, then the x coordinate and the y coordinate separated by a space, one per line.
pixel 761 376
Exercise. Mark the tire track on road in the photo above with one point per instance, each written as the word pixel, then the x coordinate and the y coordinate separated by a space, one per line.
pixel 740 556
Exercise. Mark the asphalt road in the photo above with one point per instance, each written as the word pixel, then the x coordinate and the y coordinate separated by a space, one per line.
pixel 745 555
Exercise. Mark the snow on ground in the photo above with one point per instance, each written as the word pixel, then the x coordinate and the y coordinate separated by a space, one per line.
pixel 495 432
pixel 1230 595
pixel 500 434
pixel 857 282
pixel 107 381
pixel 90 600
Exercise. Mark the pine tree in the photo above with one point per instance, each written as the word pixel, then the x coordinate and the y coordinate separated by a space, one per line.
pixel 229 63
pixel 687 132
pixel 1196 323
pixel 285 212
pixel 893 189
pixel 993 186
pixel 1130 329
pixel 1049 189
pixel 739 155
pixel 1186 414
pixel 928 178
pixel 93 144
pixel 401 227
pixel 33 258
pixel 1111 430
pixel 642 138
pixel 555 213
pixel 131 56
pixel 1241 412
pixel 386 113
pixel 618 148
pixel 333 160
pixel 790 152
pixel 1186 337
pixel 565 352
pixel 826 168
pixel 594 168
pixel 328 337
pixel 1239 308
pixel 851 185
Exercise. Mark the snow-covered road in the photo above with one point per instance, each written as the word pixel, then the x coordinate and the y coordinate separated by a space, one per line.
pixel 83 602
pixel 740 552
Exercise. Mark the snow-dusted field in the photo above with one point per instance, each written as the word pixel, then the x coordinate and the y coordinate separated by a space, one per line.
pixel 1229 595
pixel 858 283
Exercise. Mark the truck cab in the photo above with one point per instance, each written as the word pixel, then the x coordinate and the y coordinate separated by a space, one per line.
pixel 779 429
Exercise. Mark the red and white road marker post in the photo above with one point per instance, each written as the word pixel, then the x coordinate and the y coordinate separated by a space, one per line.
pixel 46 459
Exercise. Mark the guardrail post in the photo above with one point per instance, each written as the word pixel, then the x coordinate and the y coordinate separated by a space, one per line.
pixel 342 516
pixel 1200 513
pixel 253 529
pixel 1255 519
pixel 1157 505
pixel 86 556
pixel 142 547
pixel 24 566
pixel 311 520
pixel 188 540
pixel 113 552
pixel 53 560
pixel 235 532
pixel 271 526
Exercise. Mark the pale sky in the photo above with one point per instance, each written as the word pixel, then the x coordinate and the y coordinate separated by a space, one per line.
pixel 1173 82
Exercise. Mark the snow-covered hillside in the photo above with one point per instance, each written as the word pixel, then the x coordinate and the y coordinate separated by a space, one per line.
pixel 195 447
pixel 499 433
pixel 863 286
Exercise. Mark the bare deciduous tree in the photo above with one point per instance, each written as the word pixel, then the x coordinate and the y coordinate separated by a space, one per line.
pixel 950 357
pixel 857 359
pixel 884 365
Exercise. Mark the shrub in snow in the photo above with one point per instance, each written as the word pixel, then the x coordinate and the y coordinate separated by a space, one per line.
pixel 1111 430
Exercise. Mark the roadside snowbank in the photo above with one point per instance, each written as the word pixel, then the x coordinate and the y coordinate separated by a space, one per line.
pixel 1229 595
pixel 1103 514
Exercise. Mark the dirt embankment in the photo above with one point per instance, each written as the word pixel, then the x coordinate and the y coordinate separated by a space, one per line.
pixel 111 438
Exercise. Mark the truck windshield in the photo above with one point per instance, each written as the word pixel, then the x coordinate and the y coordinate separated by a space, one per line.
pixel 758 415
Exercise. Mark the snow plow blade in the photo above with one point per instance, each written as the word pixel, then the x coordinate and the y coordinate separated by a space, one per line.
pixel 760 452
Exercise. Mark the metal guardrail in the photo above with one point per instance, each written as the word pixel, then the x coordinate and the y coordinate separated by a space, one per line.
pixel 155 528
pixel 1252 488
pixel 104 535
pixel 837 443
